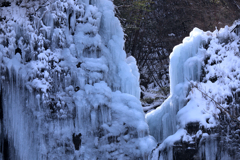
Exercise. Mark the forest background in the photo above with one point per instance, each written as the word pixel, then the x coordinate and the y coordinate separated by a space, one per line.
pixel 153 27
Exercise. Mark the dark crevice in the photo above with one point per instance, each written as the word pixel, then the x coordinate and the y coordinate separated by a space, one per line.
pixel 5 4
pixel 113 139
pixel 229 100
pixel 53 106
pixel 213 63
pixel 2 18
pixel 206 59
pixel 1 107
pixel 213 79
pixel 141 95
pixel 5 149
pixel 77 140
pixel 192 128
pixel 18 50
pixel 76 89
pixel 69 21
pixel 79 64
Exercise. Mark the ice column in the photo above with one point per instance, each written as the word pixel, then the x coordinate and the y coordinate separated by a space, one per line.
pixel 185 65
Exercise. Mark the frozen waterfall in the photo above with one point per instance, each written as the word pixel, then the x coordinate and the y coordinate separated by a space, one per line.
pixel 200 119
pixel 67 89
pixel 185 65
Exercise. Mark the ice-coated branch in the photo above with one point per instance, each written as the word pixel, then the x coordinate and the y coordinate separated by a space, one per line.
pixel 154 78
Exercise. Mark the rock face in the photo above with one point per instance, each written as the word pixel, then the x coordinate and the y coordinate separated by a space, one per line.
pixel 67 90
pixel 200 119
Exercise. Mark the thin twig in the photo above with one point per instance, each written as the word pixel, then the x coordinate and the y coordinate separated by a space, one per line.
pixel 121 6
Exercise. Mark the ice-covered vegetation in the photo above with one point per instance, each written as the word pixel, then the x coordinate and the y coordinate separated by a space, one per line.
pixel 200 118
pixel 67 89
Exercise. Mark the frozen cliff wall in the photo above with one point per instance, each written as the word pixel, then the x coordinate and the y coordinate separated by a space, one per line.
pixel 200 118
pixel 180 72
pixel 67 90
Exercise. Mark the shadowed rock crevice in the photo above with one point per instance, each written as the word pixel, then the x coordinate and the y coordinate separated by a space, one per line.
pixel 76 138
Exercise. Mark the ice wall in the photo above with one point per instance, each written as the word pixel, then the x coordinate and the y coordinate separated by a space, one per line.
pixel 185 65
pixel 67 89
pixel 200 119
